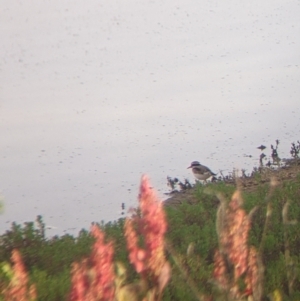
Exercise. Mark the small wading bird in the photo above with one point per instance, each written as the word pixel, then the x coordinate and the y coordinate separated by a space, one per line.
pixel 201 172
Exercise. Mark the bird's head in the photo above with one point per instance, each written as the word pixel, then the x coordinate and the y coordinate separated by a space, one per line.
pixel 193 164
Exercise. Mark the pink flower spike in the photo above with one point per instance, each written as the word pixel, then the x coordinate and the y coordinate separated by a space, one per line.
pixel 93 279
pixel 151 225
pixel 18 288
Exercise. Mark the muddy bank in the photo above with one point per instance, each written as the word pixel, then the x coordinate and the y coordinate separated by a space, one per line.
pixel 288 172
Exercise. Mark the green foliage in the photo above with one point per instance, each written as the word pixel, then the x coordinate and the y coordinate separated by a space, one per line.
pixel 37 251
pixel 51 287
pixel 48 260
pixel 196 223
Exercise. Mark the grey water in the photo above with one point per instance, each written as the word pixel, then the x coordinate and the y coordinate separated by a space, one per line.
pixel 94 94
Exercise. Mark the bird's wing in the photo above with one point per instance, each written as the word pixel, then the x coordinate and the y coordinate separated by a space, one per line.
pixel 201 169
pixel 204 169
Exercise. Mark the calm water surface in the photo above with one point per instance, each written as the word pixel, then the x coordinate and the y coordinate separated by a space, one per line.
pixel 94 94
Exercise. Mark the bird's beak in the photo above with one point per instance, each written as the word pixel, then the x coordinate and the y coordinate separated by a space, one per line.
pixel 189 167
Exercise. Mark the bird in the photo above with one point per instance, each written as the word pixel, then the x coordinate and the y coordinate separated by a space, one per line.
pixel 201 172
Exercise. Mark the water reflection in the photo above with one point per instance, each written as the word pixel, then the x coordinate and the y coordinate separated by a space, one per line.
pixel 93 95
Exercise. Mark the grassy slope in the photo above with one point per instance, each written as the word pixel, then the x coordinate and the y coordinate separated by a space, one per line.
pixel 193 220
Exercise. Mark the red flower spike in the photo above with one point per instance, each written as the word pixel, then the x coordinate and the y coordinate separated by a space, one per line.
pixel 136 255
pixel 18 288
pixel 253 278
pixel 234 236
pixel 102 265
pixel 151 225
pixel 242 260
pixel 93 279
pixel 79 282
pixel 220 270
